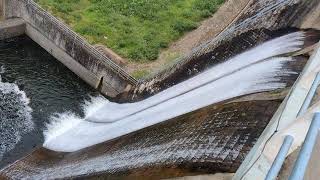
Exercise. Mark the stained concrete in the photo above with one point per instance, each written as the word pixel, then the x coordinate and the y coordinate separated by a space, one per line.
pixel 218 176
pixel 11 28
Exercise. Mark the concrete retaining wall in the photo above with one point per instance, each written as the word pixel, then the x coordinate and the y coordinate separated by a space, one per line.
pixel 12 28
pixel 69 48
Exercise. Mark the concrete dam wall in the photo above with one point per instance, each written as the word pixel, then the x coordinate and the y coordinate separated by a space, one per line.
pixel 213 139
pixel 68 47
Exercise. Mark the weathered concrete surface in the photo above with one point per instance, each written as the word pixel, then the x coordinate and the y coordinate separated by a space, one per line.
pixel 260 21
pixel 218 176
pixel 312 171
pixel 312 20
pixel 111 54
pixel 11 28
pixel 2 10
pixel 69 48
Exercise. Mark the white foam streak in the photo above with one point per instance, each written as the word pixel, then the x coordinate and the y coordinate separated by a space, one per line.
pixel 256 70
pixel 112 112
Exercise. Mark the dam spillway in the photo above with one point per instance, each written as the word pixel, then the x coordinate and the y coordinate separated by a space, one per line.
pixel 259 69
pixel 213 139
pixel 192 144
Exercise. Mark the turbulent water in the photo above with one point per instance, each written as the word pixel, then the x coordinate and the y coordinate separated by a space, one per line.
pixel 18 121
pixel 259 69
pixel 33 87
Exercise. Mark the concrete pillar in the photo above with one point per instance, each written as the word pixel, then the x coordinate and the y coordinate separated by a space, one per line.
pixel 2 10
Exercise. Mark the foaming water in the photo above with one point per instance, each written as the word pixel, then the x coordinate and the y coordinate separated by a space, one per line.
pixel 62 122
pixel 15 115
pixel 29 71
pixel 288 43
pixel 256 70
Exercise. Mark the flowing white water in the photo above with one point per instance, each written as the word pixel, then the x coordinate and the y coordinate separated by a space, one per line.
pixel 15 115
pixel 289 43
pixel 256 70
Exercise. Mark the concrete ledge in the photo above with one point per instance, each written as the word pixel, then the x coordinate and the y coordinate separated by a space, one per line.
pixel 11 28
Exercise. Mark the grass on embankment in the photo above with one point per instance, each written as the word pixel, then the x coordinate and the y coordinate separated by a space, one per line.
pixel 135 29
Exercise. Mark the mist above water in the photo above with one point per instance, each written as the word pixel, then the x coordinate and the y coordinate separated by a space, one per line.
pixel 257 70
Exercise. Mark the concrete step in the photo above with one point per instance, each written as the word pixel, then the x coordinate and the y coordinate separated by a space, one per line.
pixel 11 28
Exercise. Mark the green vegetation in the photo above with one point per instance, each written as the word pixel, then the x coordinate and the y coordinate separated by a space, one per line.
pixel 139 74
pixel 135 29
pixel 167 60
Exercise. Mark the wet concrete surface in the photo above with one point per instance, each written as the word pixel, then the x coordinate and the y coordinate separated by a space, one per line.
pixel 210 140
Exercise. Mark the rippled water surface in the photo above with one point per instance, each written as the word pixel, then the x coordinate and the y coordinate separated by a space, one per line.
pixel 33 83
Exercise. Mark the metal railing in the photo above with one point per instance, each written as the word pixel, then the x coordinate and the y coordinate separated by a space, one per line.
pixel 281 156
pixel 307 148
pixel 311 93
pixel 305 153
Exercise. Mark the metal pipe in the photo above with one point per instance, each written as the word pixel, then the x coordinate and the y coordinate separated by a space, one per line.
pixel 310 95
pixel 281 156
pixel 304 156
